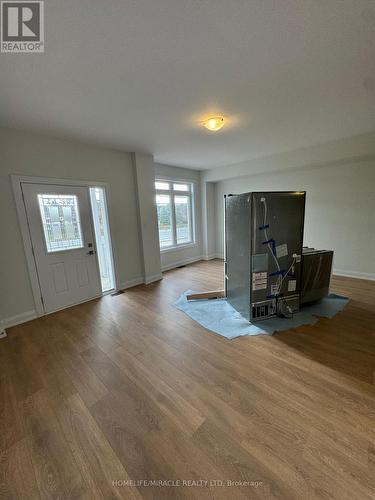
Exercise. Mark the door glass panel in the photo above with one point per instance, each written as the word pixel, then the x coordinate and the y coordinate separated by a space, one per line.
pixel 61 223
pixel 183 226
pixel 163 204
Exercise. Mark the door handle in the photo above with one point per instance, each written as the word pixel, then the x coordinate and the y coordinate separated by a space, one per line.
pixel 91 252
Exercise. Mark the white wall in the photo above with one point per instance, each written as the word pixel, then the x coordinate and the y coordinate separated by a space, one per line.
pixel 339 213
pixel 340 209
pixel 147 216
pixel 348 149
pixel 27 154
pixel 208 191
pixel 174 258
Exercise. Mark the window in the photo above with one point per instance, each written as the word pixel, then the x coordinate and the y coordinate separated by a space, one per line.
pixel 174 202
pixel 61 224
pixel 102 237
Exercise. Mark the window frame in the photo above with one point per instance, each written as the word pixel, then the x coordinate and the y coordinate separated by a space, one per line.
pixel 190 194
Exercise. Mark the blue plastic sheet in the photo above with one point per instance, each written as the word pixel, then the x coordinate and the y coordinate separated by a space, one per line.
pixel 220 317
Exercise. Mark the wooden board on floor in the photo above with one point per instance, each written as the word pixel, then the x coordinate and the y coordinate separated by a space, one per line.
pixel 217 294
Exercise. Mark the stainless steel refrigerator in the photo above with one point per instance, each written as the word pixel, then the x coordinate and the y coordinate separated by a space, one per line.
pixel 263 249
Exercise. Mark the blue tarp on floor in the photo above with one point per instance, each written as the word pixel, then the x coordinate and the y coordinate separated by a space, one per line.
pixel 220 317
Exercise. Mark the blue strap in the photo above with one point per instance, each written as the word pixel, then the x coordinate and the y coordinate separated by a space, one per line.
pixel 271 242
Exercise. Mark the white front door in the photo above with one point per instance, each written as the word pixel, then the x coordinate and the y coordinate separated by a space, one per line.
pixel 62 236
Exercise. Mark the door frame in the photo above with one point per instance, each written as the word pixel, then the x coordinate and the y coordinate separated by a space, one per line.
pixel 16 181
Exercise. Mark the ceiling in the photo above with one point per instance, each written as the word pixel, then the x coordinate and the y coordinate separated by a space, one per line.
pixel 140 75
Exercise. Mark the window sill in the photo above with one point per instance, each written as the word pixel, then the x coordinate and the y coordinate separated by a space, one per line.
pixel 178 247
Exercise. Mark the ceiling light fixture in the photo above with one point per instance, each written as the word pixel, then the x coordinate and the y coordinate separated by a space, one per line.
pixel 214 123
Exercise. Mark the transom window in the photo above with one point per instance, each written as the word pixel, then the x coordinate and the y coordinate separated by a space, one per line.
pixel 174 202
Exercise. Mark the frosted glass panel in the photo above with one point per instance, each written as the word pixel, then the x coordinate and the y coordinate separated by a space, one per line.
pixel 61 223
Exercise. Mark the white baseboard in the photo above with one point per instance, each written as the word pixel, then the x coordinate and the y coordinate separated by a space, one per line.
pixel 190 261
pixel 354 274
pixel 139 281
pixel 153 278
pixel 19 318
pixel 182 262
pixel 128 284
pixel 209 257
pixel 30 315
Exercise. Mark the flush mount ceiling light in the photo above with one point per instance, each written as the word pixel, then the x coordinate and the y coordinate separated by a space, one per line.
pixel 214 123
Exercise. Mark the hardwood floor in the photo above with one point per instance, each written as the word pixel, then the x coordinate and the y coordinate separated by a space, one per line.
pixel 127 388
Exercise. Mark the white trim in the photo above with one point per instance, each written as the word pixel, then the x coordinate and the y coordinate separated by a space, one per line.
pixel 190 194
pixel 139 281
pixel 176 180
pixel 354 274
pixel 178 247
pixel 130 283
pixel 182 262
pixel 30 315
pixel 22 218
pixel 190 260
pixel 19 318
pixel 338 272
pixel 210 257
pixel 56 181
pixel 219 256
pixel 151 279
pixel 17 181
pixel 110 243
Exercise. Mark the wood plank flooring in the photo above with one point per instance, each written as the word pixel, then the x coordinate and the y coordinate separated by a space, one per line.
pixel 127 397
